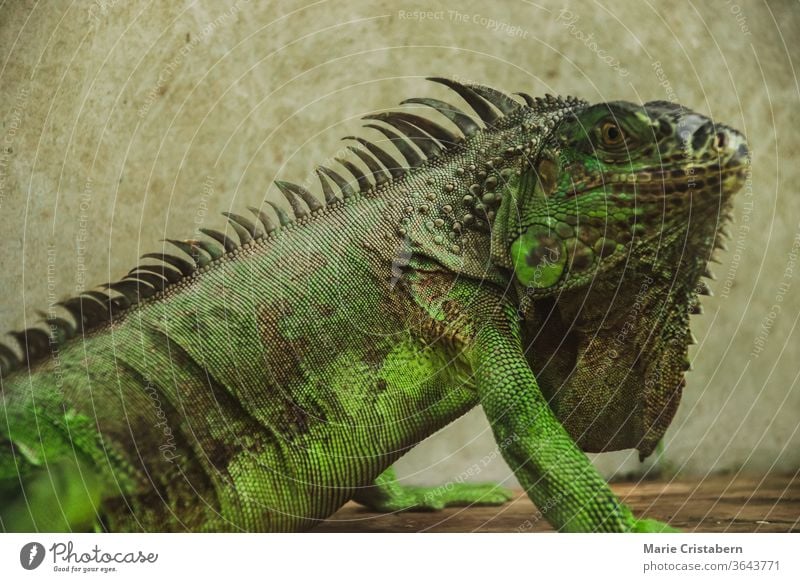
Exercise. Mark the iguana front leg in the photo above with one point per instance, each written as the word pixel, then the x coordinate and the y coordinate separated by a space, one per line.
pixel 387 494
pixel 555 473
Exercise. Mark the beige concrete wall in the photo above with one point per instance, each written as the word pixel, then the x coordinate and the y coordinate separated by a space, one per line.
pixel 125 122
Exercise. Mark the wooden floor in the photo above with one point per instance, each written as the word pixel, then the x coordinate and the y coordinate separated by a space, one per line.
pixel 717 504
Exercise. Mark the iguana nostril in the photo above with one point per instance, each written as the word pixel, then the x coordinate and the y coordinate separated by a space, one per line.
pixel 701 137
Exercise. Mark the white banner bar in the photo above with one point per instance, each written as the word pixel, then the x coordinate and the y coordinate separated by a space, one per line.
pixel 401 557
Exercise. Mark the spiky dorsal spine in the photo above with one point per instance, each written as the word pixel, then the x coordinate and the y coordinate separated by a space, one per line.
pixel 417 139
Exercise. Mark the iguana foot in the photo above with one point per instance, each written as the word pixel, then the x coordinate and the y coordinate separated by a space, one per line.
pixel 459 495
pixel 652 526
pixel 387 495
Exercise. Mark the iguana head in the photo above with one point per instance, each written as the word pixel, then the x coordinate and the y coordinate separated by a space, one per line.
pixel 608 230
pixel 612 177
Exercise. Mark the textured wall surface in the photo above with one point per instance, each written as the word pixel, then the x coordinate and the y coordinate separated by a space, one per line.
pixel 125 122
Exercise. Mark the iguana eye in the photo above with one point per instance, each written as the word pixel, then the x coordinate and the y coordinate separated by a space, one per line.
pixel 611 134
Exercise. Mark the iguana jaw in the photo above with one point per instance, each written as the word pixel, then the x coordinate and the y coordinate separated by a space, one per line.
pixel 658 183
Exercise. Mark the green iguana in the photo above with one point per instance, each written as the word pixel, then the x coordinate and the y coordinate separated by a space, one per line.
pixel 539 257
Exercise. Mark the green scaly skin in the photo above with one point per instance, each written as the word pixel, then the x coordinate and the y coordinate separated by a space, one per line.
pixel 278 380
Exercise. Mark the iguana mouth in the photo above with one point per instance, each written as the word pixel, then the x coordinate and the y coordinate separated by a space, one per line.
pixel 681 180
